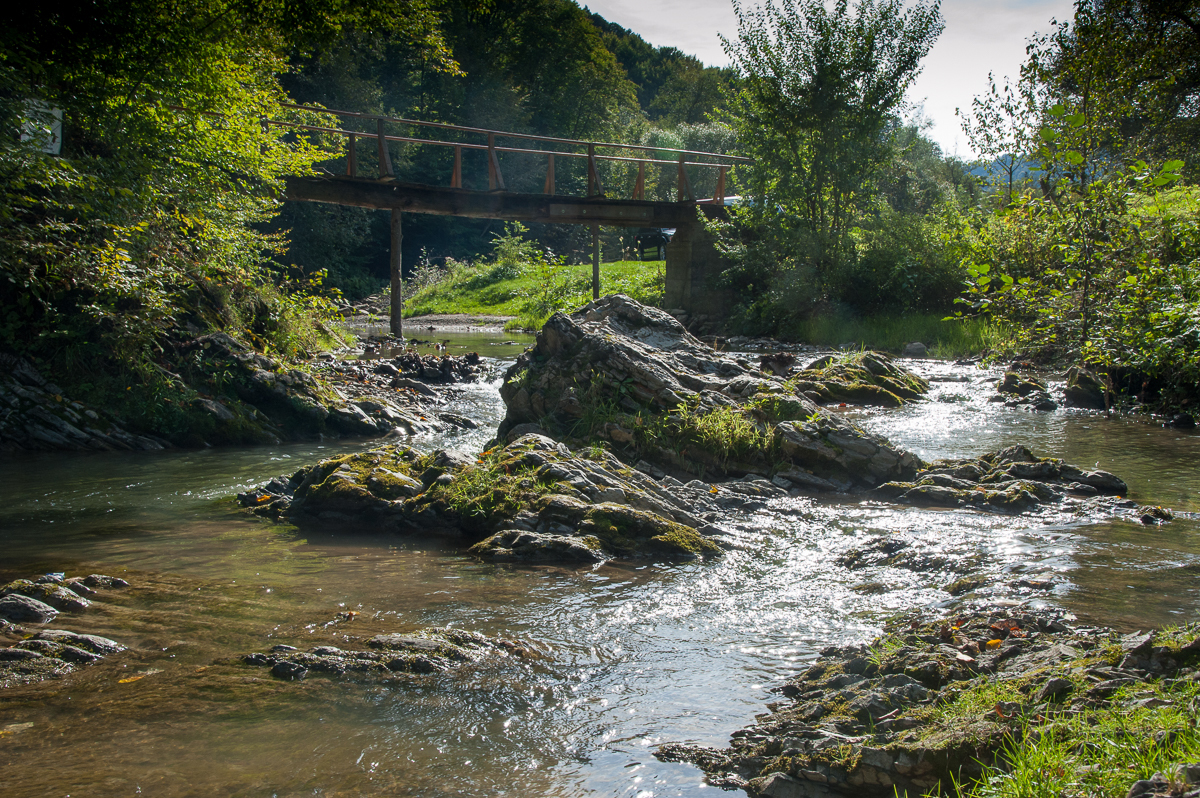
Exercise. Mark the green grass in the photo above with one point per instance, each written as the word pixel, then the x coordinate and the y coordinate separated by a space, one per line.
pixel 1099 753
pixel 534 292
pixel 947 338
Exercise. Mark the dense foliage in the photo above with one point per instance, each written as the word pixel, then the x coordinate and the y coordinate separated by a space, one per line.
pixel 145 230
pixel 1093 256
pixel 846 197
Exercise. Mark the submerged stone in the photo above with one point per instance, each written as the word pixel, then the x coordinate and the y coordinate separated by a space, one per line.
pixel 1009 480
pixel 15 607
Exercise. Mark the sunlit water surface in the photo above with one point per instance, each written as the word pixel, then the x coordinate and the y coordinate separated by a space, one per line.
pixel 640 653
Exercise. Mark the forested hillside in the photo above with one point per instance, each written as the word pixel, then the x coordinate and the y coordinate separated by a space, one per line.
pixel 536 66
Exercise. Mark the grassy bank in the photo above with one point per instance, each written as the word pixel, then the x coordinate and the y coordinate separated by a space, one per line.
pixel 532 292
pixel 947 338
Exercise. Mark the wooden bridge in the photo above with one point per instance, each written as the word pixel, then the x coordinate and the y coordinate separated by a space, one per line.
pixel 372 183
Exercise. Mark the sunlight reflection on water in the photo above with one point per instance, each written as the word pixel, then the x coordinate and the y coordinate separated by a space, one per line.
pixel 641 653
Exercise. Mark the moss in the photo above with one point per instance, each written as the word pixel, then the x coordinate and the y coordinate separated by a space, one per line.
pixel 964 585
pixel 685 539
pixel 626 530
pixel 864 393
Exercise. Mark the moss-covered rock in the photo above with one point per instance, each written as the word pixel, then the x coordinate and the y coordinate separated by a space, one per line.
pixel 389 656
pixel 533 499
pixel 863 378
pixel 932 704
pixel 1009 480
pixel 1085 389
pixel 632 376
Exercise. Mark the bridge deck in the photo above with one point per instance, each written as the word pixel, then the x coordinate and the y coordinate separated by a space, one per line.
pixel 560 209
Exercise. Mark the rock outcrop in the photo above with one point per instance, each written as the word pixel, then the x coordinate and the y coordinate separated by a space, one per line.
pixel 632 375
pixel 1010 480
pixel 937 701
pixel 35 415
pixel 532 499
pixel 1015 390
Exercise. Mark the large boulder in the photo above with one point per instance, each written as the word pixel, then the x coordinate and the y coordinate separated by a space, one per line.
pixel 533 499
pixel 631 375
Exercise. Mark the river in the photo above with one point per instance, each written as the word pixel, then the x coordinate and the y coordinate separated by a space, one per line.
pixel 640 654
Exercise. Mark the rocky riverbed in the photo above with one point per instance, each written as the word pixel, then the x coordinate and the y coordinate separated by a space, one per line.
pixel 613 415
pixel 935 703
pixel 630 574
pixel 29 652
pixel 352 392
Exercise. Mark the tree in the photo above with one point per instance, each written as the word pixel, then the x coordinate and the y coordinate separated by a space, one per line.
pixel 818 88
pixel 1132 67
pixel 148 229
pixel 1002 126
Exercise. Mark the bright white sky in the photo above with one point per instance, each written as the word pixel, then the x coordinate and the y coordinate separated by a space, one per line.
pixel 981 36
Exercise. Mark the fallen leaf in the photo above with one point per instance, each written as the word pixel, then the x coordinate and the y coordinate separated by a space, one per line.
pixel 129 679
pixel 994 643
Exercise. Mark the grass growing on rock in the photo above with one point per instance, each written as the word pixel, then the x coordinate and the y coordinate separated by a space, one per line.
pixel 1142 728
pixel 1094 753
pixel 495 487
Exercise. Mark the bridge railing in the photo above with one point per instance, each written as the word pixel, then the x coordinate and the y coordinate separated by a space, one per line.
pixel 593 151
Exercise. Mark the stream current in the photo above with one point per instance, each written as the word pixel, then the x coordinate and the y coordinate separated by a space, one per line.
pixel 640 654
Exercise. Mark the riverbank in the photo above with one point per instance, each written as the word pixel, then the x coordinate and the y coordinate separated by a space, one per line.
pixel 639 651
pixel 980 702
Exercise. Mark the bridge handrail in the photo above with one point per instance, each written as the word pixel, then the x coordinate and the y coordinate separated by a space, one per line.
pixel 508 134
pixel 468 146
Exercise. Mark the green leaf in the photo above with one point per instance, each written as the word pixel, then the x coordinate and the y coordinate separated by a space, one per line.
pixel 1073 157
pixel 1048 134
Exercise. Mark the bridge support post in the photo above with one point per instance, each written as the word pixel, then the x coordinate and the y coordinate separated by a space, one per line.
pixel 397 278
pixel 595 261
pixel 693 267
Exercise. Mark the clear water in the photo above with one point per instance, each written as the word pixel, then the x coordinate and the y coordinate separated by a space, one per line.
pixel 640 653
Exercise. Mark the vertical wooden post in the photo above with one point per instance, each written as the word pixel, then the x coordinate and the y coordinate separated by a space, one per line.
pixel 595 261
pixel 385 158
pixel 683 189
pixel 495 179
pixel 594 188
pixel 352 158
pixel 639 187
pixel 549 189
pixel 397 277
pixel 719 194
pixel 456 175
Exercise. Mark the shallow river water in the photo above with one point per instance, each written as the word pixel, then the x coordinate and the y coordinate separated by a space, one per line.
pixel 639 654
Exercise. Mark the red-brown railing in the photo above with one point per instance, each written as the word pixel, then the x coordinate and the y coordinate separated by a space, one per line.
pixel 495 176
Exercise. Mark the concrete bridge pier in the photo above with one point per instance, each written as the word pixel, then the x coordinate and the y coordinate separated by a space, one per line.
pixel 693 268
